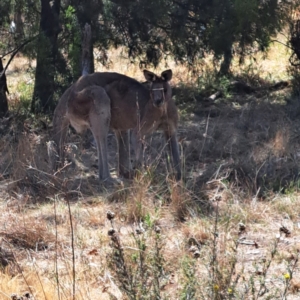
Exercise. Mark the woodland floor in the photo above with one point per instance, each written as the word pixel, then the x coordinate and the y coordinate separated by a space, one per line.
pixel 241 164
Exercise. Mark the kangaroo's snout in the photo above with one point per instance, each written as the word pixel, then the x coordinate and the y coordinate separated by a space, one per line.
pixel 158 102
pixel 158 97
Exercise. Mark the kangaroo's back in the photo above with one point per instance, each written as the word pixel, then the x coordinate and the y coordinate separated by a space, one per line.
pixel 128 96
pixel 106 80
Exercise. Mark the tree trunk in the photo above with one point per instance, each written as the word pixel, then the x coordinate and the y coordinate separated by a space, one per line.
pixel 3 91
pixel 86 19
pixel 18 19
pixel 87 51
pixel 47 50
pixel 91 58
pixel 226 63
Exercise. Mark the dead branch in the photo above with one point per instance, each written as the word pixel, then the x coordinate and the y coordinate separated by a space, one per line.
pixel 214 96
pixel 14 52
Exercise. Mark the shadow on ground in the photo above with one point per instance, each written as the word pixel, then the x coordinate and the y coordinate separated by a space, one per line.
pixel 249 141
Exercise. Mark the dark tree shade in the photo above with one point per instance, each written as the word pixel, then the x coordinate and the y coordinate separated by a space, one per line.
pixel 150 30
pixel 3 91
pixel 47 51
pixel 186 29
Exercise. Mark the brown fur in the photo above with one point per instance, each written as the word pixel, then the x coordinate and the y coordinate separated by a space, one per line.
pixel 100 101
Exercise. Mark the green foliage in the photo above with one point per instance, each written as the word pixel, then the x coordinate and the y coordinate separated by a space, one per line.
pixel 25 90
pixel 70 12
pixel 190 279
pixel 26 18
pixel 209 82
pixel 148 220
pixel 152 30
pixel 74 41
pixel 5 9
pixel 141 274
pixel 224 83
pixel 6 39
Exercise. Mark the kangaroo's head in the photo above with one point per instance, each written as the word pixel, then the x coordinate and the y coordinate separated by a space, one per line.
pixel 160 90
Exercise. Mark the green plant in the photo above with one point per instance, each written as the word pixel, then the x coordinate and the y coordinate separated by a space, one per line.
pixel 189 289
pixel 74 48
pixel 140 275
pixel 25 89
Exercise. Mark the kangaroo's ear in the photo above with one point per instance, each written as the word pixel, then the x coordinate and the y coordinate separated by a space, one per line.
pixel 150 77
pixel 167 75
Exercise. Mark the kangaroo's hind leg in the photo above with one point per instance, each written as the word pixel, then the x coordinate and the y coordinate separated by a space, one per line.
pixel 171 137
pixel 99 122
pixel 138 148
pixel 125 168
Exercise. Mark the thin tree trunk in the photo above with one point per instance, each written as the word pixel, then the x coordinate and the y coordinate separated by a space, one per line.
pixel 47 50
pixel 87 51
pixel 18 19
pixel 85 19
pixel 226 63
pixel 3 91
pixel 88 48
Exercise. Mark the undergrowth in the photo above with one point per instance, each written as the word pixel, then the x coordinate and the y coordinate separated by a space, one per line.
pixel 229 230
pixel 142 271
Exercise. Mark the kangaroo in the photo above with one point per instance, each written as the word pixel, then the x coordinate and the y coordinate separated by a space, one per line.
pixel 105 100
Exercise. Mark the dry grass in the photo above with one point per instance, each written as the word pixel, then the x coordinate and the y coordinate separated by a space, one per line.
pixel 240 167
pixel 25 229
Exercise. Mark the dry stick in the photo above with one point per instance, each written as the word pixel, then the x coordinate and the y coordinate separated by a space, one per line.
pixel 159 155
pixel 214 254
pixel 205 135
pixel 138 140
pixel 56 251
pixel 255 181
pixel 170 169
pixel 73 249
pixel 214 96
pixel 59 170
